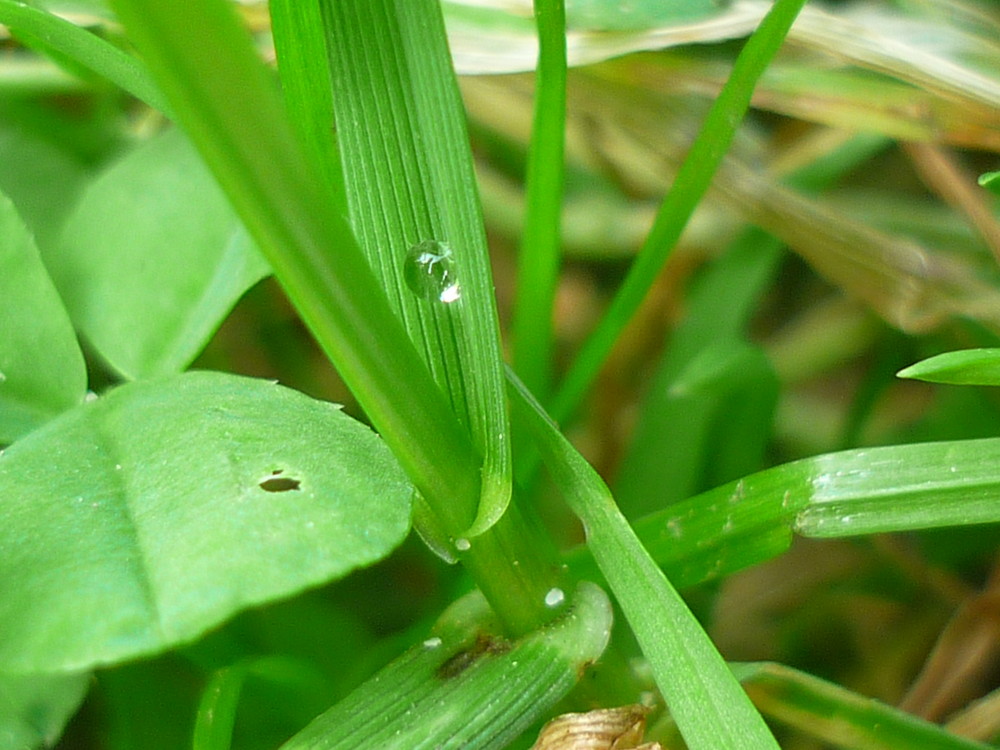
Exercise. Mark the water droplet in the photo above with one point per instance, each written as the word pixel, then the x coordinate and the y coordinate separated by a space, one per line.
pixel 463 545
pixel 3 377
pixel 554 597
pixel 432 642
pixel 90 396
pixel 430 272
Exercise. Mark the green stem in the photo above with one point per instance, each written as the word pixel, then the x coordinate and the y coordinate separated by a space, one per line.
pixel 538 264
pixel 689 187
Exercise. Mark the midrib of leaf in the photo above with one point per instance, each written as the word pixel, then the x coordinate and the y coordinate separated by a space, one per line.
pixel 409 178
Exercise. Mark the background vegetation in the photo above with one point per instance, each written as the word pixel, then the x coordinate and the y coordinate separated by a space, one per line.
pixel 741 417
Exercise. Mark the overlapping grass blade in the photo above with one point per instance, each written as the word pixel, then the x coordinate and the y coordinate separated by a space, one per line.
pixel 413 205
pixel 701 693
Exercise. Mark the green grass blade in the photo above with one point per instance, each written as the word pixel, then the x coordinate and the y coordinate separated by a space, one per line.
pixel 300 43
pixel 966 367
pixel 689 187
pixel 849 493
pixel 219 704
pixel 249 144
pixel 841 717
pixel 466 686
pixel 538 260
pixel 84 48
pixel 703 696
pixel 990 181
pixel 414 207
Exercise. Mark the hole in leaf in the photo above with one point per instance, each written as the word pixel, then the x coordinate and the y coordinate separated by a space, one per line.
pixel 277 483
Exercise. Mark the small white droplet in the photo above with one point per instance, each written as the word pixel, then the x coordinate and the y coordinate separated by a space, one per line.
pixel 450 293
pixel 3 377
pixel 118 467
pixel 91 396
pixel 432 642
pixel 463 544
pixel 554 597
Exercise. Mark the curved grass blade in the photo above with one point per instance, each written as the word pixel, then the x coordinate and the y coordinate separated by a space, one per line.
pixel 703 696
pixel 947 49
pixel 966 367
pixel 83 48
pixel 414 207
pixel 217 709
pixel 465 686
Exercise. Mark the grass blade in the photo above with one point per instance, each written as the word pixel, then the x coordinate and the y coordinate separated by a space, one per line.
pixel 465 686
pixel 692 181
pixel 413 205
pixel 300 41
pixel 79 45
pixel 538 259
pixel 844 494
pixel 841 717
pixel 966 367
pixel 703 696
